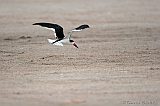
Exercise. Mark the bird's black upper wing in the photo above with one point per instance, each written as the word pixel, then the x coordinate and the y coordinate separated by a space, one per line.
pixel 81 27
pixel 58 28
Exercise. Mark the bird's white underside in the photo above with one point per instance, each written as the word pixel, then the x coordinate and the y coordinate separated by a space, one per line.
pixel 59 43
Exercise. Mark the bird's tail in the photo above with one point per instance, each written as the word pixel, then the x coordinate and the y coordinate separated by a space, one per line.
pixel 51 41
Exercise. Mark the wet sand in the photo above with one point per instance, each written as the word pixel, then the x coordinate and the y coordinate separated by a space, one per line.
pixel 117 63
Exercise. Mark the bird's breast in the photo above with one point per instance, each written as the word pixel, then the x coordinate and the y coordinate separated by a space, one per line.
pixel 65 41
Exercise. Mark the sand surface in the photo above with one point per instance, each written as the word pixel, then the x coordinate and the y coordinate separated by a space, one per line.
pixel 117 63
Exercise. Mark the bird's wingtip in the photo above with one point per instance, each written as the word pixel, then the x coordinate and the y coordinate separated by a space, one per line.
pixel 81 27
pixel 34 24
pixel 88 26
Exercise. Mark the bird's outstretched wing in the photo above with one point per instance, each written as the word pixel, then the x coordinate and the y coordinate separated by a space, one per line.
pixel 79 28
pixel 54 27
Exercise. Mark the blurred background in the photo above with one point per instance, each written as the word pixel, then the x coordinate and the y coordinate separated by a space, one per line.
pixel 117 63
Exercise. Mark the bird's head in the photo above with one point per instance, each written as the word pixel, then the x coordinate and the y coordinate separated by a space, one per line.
pixel 73 43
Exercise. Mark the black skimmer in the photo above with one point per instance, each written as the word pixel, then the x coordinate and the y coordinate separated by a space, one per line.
pixel 59 35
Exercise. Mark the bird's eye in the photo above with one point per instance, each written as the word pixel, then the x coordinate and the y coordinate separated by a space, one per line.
pixel 71 40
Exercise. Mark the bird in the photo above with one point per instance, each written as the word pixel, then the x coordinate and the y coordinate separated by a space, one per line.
pixel 61 39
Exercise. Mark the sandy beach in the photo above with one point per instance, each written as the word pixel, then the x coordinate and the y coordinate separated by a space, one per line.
pixel 117 62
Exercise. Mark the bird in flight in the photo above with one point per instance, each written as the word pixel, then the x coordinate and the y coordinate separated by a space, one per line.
pixel 59 35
